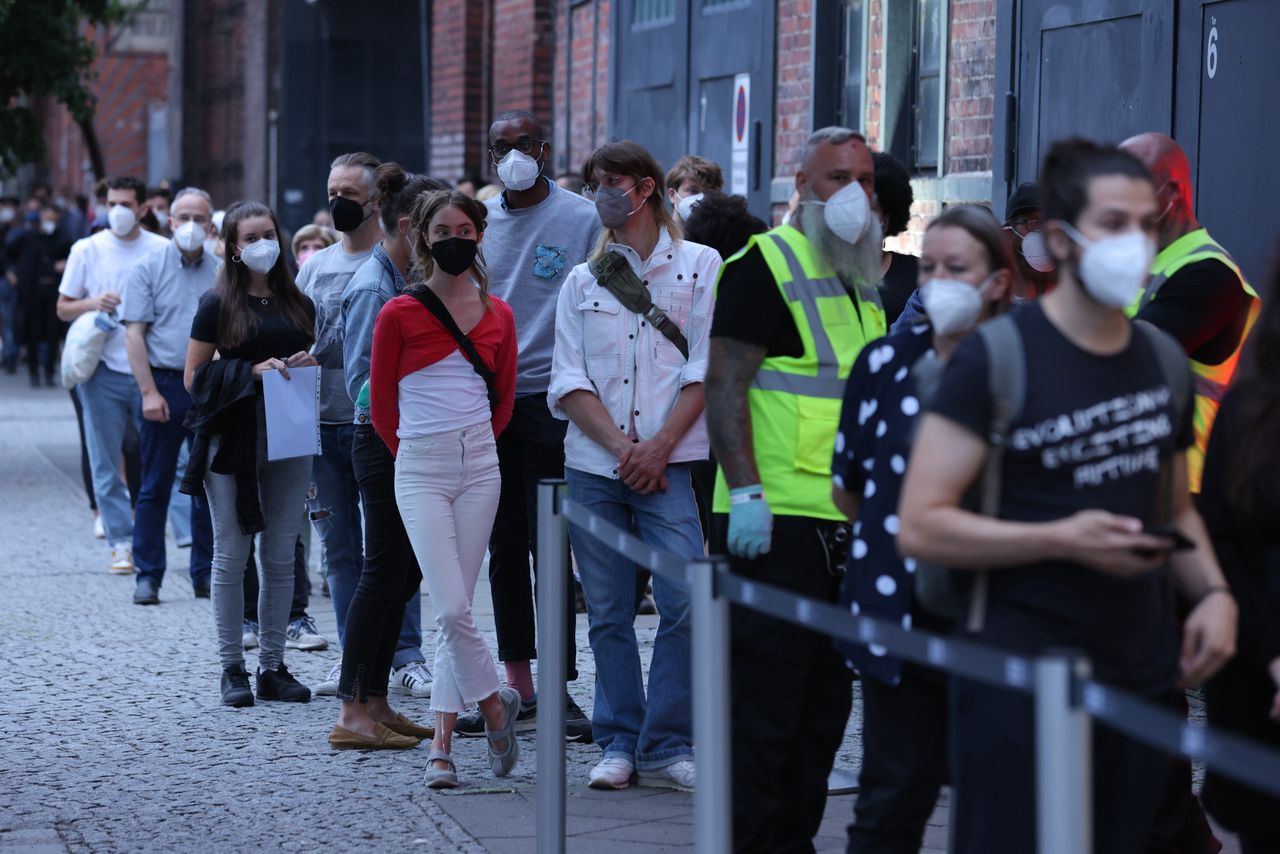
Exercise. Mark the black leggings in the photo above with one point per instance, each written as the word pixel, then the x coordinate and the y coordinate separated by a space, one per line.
pixel 388 581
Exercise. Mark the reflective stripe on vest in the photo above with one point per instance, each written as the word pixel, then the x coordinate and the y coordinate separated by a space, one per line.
pixel 795 401
pixel 1211 381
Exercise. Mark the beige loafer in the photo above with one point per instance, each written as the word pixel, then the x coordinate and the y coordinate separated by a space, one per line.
pixel 383 739
pixel 404 726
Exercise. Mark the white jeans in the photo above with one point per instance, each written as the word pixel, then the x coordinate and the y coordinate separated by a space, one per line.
pixel 447 489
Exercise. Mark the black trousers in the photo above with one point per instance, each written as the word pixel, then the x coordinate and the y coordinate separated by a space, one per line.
pixel 904 761
pixel 40 325
pixel 301 584
pixel 993 808
pixel 1181 826
pixel 529 450
pixel 388 581
pixel 790 697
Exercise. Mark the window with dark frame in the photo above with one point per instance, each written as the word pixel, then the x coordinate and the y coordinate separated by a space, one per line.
pixel 931 30
pixel 652 11
pixel 840 39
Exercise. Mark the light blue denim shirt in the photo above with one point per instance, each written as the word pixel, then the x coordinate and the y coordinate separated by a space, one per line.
pixel 376 282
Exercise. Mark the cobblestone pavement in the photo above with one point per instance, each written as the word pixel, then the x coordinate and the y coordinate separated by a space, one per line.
pixel 112 736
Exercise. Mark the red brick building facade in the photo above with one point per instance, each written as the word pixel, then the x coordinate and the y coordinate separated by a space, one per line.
pixel 557 59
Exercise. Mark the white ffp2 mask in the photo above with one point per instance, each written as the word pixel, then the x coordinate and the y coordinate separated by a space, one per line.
pixel 1114 269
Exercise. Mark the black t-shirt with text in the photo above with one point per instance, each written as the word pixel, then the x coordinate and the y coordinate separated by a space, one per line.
pixel 274 337
pixel 1093 433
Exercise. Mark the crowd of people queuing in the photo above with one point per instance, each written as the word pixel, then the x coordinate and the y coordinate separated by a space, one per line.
pixel 1011 437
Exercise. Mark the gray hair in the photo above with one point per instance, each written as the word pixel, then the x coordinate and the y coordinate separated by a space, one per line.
pixel 832 135
pixel 194 191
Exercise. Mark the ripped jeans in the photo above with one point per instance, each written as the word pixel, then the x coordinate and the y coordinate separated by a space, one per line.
pixel 334 508
pixel 333 503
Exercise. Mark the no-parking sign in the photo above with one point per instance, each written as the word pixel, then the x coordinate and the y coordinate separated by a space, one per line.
pixel 741 134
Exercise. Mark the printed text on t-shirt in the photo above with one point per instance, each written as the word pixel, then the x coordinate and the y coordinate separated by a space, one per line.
pixel 1114 439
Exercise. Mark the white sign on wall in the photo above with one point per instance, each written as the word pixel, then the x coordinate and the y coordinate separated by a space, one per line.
pixel 738 184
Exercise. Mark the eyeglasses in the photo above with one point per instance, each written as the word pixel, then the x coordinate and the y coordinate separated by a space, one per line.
pixel 1024 225
pixel 524 145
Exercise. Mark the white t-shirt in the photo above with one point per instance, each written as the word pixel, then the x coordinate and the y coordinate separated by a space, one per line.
pixel 101 263
pixel 444 396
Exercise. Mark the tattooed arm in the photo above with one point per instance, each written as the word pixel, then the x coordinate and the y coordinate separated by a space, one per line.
pixel 733 364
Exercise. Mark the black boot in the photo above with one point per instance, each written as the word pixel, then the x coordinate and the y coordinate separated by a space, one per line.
pixel 235 687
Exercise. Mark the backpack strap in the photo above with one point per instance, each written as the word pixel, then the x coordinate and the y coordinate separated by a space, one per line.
pixel 433 304
pixel 1007 386
pixel 1177 374
pixel 614 274
pixel 1173 364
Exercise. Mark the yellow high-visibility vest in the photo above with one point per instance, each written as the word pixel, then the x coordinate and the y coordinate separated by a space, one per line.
pixel 795 400
pixel 1212 381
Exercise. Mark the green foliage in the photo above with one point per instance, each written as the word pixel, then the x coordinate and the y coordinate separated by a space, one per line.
pixel 44 52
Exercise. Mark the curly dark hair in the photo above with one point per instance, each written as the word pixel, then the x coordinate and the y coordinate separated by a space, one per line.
pixel 723 223
pixel 893 190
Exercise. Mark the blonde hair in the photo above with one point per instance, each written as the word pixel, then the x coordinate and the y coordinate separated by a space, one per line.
pixel 630 158
pixel 323 233
pixel 424 210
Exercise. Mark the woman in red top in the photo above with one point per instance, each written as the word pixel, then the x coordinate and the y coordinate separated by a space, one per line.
pixel 432 409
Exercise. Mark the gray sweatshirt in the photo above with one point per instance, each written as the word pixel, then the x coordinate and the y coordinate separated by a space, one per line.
pixel 323 278
pixel 529 252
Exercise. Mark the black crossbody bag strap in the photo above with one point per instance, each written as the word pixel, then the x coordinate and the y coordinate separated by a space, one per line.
pixel 432 303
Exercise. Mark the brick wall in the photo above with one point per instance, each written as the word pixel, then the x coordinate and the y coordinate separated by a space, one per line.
pixel 971 72
pixel 794 84
pixel 582 83
pixel 127 84
pixel 522 46
pixel 216 68
pixel 458 91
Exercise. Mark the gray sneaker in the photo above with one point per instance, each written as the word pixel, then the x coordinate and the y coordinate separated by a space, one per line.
pixel 501 762
pixel 250 636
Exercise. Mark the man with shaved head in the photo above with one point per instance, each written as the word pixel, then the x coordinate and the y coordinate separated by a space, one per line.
pixel 1198 295
pixel 1197 292
pixel 793 310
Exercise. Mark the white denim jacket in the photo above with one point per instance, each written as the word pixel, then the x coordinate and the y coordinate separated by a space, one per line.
pixel 637 373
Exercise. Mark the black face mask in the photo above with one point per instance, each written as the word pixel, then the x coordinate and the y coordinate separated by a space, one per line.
pixel 347 215
pixel 454 255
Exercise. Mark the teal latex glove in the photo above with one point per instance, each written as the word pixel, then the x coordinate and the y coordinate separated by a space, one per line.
pixel 750 522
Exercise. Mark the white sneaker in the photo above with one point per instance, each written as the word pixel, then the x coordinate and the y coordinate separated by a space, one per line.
pixel 678 775
pixel 121 560
pixel 302 634
pixel 99 532
pixel 612 772
pixel 414 678
pixel 329 686
pixel 250 636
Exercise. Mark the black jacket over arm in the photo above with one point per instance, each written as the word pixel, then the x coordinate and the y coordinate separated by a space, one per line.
pixel 225 403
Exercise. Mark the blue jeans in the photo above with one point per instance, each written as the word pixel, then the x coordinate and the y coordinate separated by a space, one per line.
pixel 110 402
pixel 335 515
pixel 657 732
pixel 179 504
pixel 161 442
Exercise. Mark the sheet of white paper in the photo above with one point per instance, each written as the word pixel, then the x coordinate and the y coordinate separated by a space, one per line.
pixel 293 413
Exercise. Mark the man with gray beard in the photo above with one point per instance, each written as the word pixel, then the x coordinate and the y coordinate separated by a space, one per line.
pixel 793 310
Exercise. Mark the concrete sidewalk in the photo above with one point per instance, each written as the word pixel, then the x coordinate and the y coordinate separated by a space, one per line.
pixel 112 736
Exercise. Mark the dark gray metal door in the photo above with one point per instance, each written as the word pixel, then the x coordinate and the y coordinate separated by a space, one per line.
pixel 1227 123
pixel 731 97
pixel 1101 69
pixel 676 77
pixel 651 75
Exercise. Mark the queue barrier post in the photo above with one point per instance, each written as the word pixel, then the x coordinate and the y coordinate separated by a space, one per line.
pixel 712 803
pixel 1064 758
pixel 553 590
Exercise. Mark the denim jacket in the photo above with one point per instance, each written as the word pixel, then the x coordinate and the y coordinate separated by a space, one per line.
pixel 376 282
